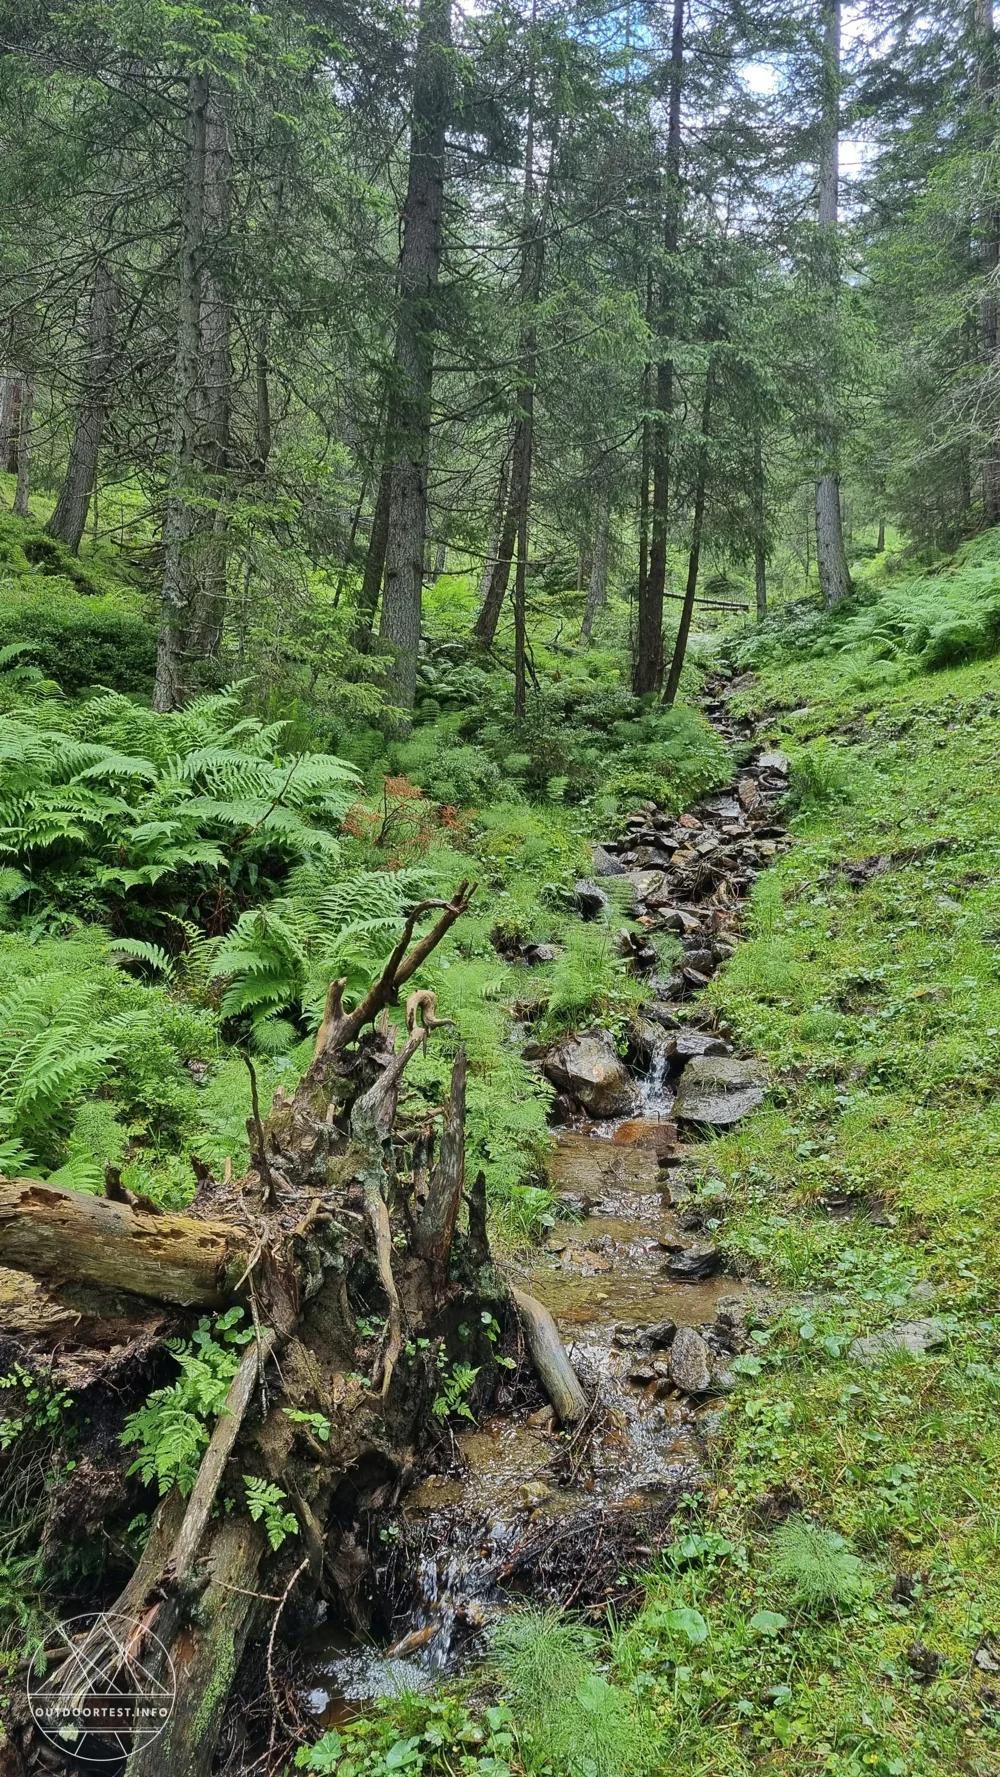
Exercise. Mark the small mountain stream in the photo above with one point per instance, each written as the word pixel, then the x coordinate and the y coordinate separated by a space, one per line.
pixel 635 1284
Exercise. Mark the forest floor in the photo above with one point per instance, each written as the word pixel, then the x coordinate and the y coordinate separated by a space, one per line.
pixel 829 1603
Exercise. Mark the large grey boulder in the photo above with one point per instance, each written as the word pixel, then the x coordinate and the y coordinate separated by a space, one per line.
pixel 690 1362
pixel 719 1089
pixel 588 1068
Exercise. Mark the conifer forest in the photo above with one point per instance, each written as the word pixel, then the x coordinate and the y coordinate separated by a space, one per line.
pixel 499 888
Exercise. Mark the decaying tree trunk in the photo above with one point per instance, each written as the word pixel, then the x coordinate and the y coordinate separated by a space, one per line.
pixel 52 1232
pixel 325 1232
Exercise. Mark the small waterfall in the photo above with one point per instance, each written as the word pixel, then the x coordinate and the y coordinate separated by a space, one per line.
pixel 655 1096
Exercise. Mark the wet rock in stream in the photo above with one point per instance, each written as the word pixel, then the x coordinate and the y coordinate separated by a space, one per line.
pixel 690 1363
pixel 588 1068
pixel 694 1265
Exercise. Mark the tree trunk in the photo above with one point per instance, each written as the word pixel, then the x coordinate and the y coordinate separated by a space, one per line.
pixel 24 435
pixel 597 590
pixel 496 576
pixel 522 483
pixel 70 515
pixel 371 580
pixel 52 1232
pixel 194 528
pixel 173 667
pixel 831 556
pixel 647 672
pixel 644 463
pixel 263 405
pixel 532 268
pixel 989 256
pixel 214 323
pixel 10 411
pixel 880 544
pixel 760 526
pixel 410 409
pixel 694 555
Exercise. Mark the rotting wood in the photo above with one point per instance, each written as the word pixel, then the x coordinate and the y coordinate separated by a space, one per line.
pixel 56 1233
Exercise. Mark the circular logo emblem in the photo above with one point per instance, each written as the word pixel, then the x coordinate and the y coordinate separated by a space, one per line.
pixel 101 1685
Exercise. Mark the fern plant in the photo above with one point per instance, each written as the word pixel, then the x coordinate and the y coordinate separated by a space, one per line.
pixel 56 1043
pixel 172 1427
pixel 109 802
pixel 265 1499
pixel 282 958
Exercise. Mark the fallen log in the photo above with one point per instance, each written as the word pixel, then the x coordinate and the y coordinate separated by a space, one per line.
pixel 548 1353
pixel 52 1232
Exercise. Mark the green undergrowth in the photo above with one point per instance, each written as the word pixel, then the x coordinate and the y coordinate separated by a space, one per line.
pixel 178 890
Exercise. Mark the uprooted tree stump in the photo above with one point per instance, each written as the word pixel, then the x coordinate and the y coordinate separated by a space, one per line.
pixel 339 1220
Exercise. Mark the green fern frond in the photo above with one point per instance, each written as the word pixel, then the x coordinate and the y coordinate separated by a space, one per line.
pixel 138 950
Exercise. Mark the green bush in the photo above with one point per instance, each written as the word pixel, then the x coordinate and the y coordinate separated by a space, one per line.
pixel 82 643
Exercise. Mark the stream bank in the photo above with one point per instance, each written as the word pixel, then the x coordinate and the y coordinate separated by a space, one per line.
pixel 632 1276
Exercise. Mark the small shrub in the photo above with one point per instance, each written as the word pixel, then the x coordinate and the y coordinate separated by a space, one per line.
pixel 815 1565
pixel 82 643
pixel 822 774
pixel 575 1720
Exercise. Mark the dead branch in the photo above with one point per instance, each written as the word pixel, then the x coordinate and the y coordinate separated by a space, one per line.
pixel 224 1435
pixel 558 1377
pixel 421 1009
pixel 340 1028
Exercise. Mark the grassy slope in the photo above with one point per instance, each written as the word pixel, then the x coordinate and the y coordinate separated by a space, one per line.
pixel 879 1008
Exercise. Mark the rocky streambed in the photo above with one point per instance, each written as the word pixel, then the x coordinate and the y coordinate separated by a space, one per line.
pixel 633 1276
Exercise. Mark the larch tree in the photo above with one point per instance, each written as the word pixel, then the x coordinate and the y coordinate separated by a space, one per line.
pixel 831 555
pixel 409 424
